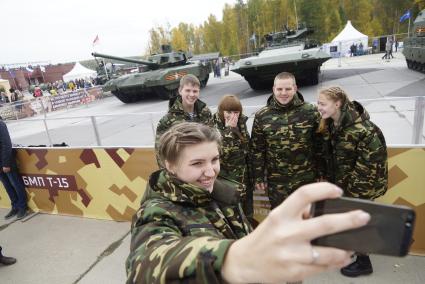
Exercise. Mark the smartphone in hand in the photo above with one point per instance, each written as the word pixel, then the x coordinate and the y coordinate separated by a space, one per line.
pixel 388 232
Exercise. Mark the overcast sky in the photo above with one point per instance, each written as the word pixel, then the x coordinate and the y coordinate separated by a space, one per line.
pixel 64 30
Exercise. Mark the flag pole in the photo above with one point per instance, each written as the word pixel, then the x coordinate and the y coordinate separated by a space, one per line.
pixel 408 28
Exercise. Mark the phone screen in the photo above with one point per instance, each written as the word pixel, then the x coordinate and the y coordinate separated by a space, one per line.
pixel 388 232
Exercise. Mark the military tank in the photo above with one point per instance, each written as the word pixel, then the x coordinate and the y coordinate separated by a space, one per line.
pixel 287 50
pixel 161 76
pixel 414 46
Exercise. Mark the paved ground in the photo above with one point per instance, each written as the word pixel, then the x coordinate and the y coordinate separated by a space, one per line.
pixel 67 250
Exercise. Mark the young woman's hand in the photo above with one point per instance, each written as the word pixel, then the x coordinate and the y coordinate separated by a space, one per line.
pixel 232 121
pixel 280 249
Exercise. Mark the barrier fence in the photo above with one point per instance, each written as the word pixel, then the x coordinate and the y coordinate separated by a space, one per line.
pixel 138 129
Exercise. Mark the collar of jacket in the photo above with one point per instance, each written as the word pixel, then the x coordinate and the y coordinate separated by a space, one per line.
pixel 296 101
pixel 225 191
pixel 352 113
pixel 241 121
pixel 176 105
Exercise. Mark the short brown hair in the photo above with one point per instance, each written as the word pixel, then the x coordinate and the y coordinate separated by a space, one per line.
pixel 285 75
pixel 177 138
pixel 189 79
pixel 229 103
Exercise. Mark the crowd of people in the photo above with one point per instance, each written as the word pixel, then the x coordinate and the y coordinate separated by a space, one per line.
pixel 196 222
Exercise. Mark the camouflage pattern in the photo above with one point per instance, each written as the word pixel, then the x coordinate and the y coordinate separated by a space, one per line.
pixel 176 115
pixel 285 146
pixel 181 232
pixel 102 183
pixel 356 154
pixel 235 162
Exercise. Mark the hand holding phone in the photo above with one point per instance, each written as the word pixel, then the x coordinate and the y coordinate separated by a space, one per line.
pixel 389 231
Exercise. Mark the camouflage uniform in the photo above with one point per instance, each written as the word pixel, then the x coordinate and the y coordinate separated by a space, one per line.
pixel 356 154
pixel 235 162
pixel 181 232
pixel 176 115
pixel 285 146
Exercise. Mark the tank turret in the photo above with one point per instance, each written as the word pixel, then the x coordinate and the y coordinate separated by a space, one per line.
pixel 162 77
pixel 287 50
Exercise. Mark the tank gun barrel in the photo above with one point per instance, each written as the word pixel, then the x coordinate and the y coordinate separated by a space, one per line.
pixel 151 65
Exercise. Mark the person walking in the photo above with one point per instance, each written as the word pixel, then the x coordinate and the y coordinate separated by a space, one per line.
pixel 285 147
pixel 10 177
pixel 355 154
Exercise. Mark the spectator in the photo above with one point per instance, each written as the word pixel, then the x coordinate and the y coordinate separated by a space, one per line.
pixel 190 229
pixel 285 145
pixel 10 177
pixel 185 107
pixel 235 159
pixel 356 155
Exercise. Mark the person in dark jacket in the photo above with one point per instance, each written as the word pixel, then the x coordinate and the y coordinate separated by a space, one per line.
pixel 355 154
pixel 190 227
pixel 185 107
pixel 285 145
pixel 10 177
pixel 235 162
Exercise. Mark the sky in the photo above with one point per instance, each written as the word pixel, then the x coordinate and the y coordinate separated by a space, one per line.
pixel 64 30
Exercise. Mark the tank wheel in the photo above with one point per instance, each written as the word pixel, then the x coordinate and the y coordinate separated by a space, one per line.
pixel 415 65
pixel 313 76
pixel 409 63
pixel 126 97
pixel 205 81
pixel 165 94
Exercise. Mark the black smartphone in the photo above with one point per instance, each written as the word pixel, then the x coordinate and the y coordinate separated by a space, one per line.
pixel 388 232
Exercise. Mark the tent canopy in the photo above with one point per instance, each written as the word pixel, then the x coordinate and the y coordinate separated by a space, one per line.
pixel 79 72
pixel 349 33
pixel 347 37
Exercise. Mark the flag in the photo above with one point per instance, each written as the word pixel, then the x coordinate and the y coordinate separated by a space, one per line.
pixel 43 69
pixel 405 16
pixel 96 40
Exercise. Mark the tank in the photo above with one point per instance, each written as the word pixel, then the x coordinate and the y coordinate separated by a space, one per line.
pixel 161 76
pixel 414 45
pixel 287 50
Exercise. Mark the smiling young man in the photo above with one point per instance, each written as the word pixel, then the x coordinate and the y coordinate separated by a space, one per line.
pixel 285 146
pixel 185 107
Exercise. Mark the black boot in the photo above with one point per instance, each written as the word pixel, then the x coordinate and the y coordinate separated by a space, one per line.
pixel 362 266
pixel 6 260
pixel 11 213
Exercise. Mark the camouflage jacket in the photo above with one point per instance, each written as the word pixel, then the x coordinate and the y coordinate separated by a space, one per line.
pixel 234 159
pixel 181 232
pixel 356 154
pixel 285 146
pixel 176 115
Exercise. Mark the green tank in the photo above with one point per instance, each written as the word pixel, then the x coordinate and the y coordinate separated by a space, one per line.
pixel 289 51
pixel 161 76
pixel 414 45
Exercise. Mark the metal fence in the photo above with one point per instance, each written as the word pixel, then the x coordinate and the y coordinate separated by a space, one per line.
pixel 401 120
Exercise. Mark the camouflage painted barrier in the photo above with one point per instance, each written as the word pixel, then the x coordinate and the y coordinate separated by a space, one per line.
pixel 108 183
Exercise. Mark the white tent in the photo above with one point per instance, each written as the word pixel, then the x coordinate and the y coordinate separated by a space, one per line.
pixel 79 72
pixel 348 36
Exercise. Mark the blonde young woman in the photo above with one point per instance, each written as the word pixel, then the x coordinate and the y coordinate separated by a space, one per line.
pixel 355 154
pixel 190 227
pixel 235 161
